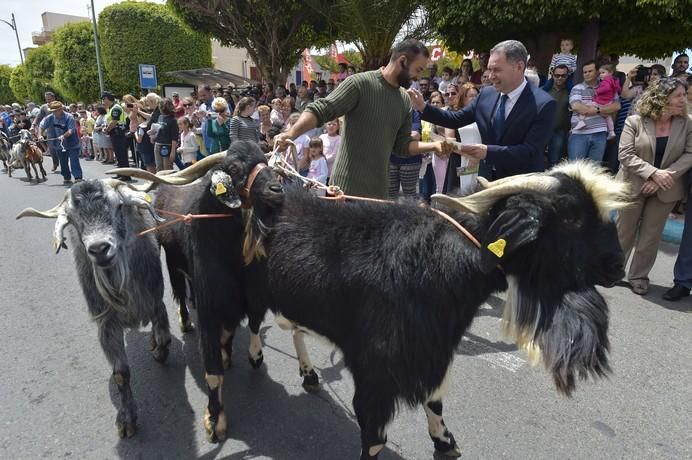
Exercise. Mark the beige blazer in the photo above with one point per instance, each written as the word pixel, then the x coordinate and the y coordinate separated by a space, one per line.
pixel 637 154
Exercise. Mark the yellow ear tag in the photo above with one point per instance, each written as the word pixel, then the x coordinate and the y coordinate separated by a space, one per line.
pixel 498 248
pixel 220 189
pixel 147 198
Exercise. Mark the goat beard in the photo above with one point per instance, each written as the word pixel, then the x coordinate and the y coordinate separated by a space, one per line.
pixel 253 241
pixel 571 338
pixel 110 283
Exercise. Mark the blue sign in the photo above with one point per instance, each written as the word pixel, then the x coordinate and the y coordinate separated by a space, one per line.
pixel 147 76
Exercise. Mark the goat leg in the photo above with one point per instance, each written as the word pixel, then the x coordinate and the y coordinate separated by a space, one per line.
pixel 441 437
pixel 113 345
pixel 373 412
pixel 311 382
pixel 226 341
pixel 214 416
pixel 43 171
pixel 255 355
pixel 160 333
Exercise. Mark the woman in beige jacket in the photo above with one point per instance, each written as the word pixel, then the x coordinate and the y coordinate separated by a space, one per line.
pixel 655 153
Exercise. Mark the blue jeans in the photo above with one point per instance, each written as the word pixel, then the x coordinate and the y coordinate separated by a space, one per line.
pixel 591 146
pixel 683 264
pixel 426 185
pixel 73 156
pixel 556 145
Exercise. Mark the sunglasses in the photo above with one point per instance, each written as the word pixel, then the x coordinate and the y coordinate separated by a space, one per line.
pixel 557 75
pixel 451 94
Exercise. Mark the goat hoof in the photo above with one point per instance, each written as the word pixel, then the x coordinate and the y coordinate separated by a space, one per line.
pixel 447 449
pixel 215 429
pixel 126 429
pixel 311 382
pixel 256 363
pixel 186 326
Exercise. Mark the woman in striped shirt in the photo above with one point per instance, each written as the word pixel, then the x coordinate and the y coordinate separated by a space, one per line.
pixel 243 126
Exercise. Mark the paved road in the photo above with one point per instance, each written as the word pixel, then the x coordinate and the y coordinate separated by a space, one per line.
pixel 56 400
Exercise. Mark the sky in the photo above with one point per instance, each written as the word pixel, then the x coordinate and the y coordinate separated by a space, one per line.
pixel 27 13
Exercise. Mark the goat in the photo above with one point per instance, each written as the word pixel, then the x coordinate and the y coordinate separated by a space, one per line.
pixel 5 148
pixel 219 257
pixel 33 156
pixel 395 287
pixel 119 272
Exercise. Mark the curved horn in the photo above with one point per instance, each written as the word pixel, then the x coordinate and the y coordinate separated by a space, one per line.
pixel 187 175
pixel 482 201
pixel 51 213
pixel 131 196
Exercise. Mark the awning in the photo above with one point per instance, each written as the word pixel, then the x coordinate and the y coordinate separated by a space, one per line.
pixel 210 77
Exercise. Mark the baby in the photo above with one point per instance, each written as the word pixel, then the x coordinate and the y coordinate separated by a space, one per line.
pixel 565 56
pixel 606 92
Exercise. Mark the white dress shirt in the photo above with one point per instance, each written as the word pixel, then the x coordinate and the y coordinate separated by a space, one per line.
pixel 513 98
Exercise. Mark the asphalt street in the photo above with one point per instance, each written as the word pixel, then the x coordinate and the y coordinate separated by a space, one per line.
pixel 57 401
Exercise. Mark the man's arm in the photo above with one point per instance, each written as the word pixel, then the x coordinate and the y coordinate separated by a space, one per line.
pixel 445 118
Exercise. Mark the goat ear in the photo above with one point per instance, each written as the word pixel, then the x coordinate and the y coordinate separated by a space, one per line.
pixel 516 225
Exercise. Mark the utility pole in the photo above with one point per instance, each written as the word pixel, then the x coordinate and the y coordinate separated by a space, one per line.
pixel 98 48
pixel 13 26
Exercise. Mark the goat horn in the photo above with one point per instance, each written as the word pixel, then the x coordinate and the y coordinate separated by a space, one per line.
pixel 48 214
pixel 133 196
pixel 482 201
pixel 187 175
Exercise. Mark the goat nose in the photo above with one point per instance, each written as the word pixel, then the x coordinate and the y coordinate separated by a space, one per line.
pixel 99 249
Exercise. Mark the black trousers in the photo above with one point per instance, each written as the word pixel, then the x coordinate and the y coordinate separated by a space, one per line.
pixel 120 145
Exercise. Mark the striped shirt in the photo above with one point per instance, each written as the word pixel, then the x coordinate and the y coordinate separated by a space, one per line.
pixel 584 94
pixel 244 129
pixel 570 60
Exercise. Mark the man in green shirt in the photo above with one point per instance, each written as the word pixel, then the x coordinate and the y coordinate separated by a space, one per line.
pixel 377 122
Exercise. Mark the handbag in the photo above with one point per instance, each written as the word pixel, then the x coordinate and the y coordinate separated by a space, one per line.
pixel 164 150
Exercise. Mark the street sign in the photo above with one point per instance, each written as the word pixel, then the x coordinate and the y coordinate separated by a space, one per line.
pixel 147 76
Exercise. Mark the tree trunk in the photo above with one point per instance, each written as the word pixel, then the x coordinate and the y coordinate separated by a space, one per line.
pixel 541 49
pixel 588 46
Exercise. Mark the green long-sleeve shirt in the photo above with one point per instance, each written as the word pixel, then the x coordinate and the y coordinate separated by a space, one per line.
pixel 377 122
pixel 219 135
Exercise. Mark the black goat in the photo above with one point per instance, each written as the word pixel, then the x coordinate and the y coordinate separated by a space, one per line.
pixel 395 287
pixel 218 256
pixel 120 273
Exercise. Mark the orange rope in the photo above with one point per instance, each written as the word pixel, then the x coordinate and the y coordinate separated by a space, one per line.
pixel 186 218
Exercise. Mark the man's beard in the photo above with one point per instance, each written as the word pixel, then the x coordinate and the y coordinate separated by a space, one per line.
pixel 404 78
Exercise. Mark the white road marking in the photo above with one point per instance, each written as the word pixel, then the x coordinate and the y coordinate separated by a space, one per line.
pixel 493 355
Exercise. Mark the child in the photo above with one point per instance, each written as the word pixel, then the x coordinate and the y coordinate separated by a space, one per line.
pixel 331 141
pixel 607 90
pixel 188 142
pixel 318 163
pixel 446 79
pixel 276 116
pixel 565 56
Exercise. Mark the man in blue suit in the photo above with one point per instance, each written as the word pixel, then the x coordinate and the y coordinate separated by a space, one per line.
pixel 515 118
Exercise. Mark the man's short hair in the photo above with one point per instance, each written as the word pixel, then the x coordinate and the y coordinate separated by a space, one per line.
pixel 589 62
pixel 675 61
pixel 561 67
pixel 204 87
pixel 411 48
pixel 514 51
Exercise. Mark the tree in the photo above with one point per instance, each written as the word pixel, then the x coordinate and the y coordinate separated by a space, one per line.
pixel 133 33
pixel 646 28
pixel 373 27
pixel 40 68
pixel 18 83
pixel 274 32
pixel 74 53
pixel 354 58
pixel 6 94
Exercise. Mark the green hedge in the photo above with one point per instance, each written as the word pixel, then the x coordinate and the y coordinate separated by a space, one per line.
pixel 74 53
pixel 39 68
pixel 133 33
pixel 6 94
pixel 19 83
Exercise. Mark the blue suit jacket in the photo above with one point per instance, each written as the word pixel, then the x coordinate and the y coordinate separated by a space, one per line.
pixel 526 132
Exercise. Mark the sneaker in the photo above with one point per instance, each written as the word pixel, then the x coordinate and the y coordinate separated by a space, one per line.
pixel 77 181
pixel 67 183
pixel 676 293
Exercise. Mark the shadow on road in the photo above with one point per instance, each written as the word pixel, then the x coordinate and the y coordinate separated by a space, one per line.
pixel 655 296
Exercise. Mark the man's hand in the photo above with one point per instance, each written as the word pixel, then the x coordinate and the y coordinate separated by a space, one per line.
pixel 283 140
pixel 663 178
pixel 649 188
pixel 417 100
pixel 477 151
